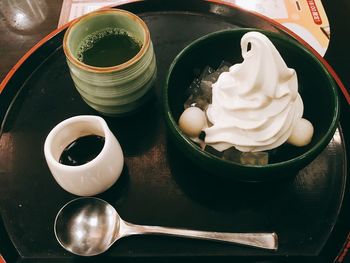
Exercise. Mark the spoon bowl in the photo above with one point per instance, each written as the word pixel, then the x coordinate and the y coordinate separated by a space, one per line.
pixel 88 226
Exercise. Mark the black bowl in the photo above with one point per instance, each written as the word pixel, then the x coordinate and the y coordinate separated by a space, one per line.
pixel 316 87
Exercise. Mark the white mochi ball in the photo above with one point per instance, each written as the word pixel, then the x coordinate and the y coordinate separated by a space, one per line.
pixel 192 121
pixel 302 133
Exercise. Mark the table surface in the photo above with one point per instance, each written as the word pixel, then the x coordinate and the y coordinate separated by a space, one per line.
pixel 18 34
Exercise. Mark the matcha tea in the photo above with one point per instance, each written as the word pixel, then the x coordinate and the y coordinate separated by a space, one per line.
pixel 108 47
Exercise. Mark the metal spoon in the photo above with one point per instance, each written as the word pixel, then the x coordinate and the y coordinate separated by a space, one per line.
pixel 88 226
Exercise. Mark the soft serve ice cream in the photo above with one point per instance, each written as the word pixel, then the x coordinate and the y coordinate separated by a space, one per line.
pixel 256 105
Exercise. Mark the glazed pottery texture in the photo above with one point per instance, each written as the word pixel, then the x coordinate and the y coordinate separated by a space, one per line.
pixel 316 87
pixel 115 90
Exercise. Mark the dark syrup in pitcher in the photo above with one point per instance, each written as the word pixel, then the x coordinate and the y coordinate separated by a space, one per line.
pixel 82 150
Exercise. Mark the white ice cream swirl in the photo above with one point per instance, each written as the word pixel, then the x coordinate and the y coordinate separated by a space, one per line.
pixel 256 104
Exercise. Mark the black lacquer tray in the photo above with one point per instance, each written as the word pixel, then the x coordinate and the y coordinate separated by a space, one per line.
pixel 158 185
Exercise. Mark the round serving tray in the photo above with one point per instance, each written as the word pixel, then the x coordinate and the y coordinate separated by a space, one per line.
pixel 158 185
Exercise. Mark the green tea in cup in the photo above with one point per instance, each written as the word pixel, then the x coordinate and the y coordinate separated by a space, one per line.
pixel 108 47
pixel 111 60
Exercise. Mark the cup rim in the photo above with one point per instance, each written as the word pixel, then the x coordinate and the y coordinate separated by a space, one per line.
pixel 133 60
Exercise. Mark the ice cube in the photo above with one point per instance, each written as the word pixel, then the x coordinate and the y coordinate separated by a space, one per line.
pixel 224 64
pixel 211 150
pixel 194 87
pixel 189 102
pixel 254 158
pixel 206 71
pixel 196 101
pixel 199 93
pixel 232 154
pixel 213 77
pixel 206 89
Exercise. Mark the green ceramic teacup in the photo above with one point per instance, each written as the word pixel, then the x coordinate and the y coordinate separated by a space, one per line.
pixel 118 89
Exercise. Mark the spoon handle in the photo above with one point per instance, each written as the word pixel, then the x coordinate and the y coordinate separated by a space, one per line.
pixel 260 240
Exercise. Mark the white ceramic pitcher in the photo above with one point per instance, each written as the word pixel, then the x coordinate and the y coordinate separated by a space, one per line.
pixel 94 176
